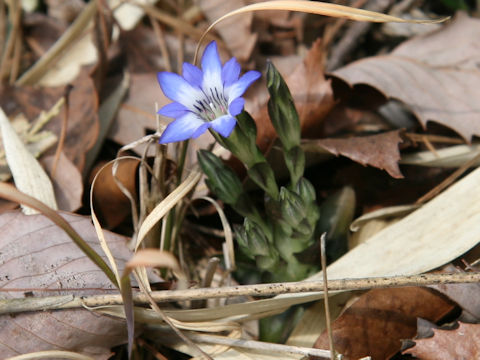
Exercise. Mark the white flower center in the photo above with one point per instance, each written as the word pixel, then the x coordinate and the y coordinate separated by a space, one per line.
pixel 212 105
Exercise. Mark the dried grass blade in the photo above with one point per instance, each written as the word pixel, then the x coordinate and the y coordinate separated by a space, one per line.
pixel 73 33
pixel 50 354
pixel 167 204
pixel 318 8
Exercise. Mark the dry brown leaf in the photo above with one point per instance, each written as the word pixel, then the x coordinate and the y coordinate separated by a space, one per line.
pixel 461 343
pixel 235 31
pixel 82 129
pixel 36 255
pixel 67 182
pixel 375 323
pixel 380 151
pixel 435 75
pixel 312 95
pixel 137 114
pixel 467 296
pixel 111 205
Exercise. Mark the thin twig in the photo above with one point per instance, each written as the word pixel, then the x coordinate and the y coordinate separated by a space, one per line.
pixel 356 30
pixel 17 52
pixel 328 320
pixel 433 138
pixel 207 281
pixel 8 306
pixel 160 36
pixel 332 30
pixel 63 130
pixel 449 180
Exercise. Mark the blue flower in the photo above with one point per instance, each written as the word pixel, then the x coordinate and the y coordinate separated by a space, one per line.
pixel 203 99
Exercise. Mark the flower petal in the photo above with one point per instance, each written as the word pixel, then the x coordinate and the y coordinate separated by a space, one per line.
pixel 181 129
pixel 236 106
pixel 173 110
pixel 238 88
pixel 201 129
pixel 192 74
pixel 230 72
pixel 224 125
pixel 212 68
pixel 178 89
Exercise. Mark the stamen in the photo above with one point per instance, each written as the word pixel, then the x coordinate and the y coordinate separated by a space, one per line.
pixel 213 105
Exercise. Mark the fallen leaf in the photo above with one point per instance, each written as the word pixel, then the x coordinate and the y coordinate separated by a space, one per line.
pixel 28 174
pixel 235 31
pixel 37 259
pixel 111 205
pixel 467 296
pixel 36 143
pixel 311 93
pixel 380 151
pixel 461 343
pixel 67 182
pixel 82 129
pixel 377 321
pixel 136 115
pixel 435 75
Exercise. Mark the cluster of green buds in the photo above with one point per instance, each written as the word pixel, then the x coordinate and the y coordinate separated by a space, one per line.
pixel 275 232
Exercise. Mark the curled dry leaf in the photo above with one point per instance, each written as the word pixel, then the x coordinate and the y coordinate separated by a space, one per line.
pixel 111 205
pixel 37 259
pixel 436 80
pixel 377 321
pixel 461 343
pixel 380 151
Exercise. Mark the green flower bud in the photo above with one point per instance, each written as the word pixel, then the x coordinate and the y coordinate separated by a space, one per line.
pixel 306 191
pixel 268 262
pixel 252 240
pixel 220 178
pixel 292 207
pixel 262 174
pixel 243 242
pixel 282 110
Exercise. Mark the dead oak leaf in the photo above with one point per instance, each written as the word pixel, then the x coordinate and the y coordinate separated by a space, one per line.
pixel 380 151
pixel 460 343
pixel 436 76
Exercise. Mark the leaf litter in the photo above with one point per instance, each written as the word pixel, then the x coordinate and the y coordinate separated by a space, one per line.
pixel 447 223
